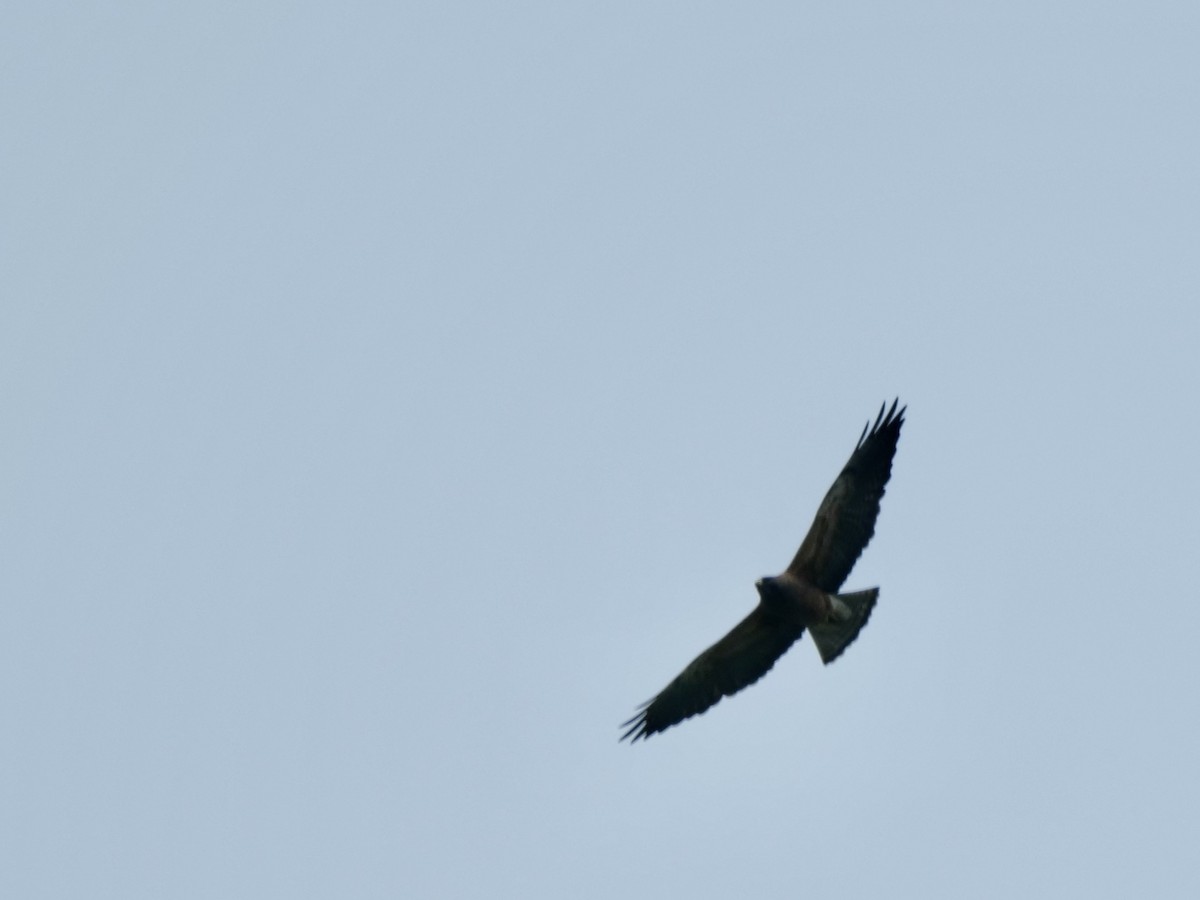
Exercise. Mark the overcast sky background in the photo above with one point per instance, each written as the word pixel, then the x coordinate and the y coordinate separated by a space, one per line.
pixel 396 395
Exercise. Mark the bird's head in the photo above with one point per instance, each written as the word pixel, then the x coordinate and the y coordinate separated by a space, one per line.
pixel 766 587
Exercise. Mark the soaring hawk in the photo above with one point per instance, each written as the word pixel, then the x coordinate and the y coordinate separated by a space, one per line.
pixel 804 596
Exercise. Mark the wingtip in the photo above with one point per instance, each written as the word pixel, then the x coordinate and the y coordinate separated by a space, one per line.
pixel 884 419
pixel 638 730
pixel 893 416
pixel 637 733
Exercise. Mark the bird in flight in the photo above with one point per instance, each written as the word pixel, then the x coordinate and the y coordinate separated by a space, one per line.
pixel 804 596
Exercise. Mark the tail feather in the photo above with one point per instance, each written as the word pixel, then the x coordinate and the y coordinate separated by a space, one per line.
pixel 833 637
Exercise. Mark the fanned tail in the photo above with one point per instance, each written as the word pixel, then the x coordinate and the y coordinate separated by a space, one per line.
pixel 833 637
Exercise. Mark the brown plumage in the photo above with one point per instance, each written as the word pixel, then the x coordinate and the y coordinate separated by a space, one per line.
pixel 804 596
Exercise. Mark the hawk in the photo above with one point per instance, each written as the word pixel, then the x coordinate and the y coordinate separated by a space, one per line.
pixel 804 596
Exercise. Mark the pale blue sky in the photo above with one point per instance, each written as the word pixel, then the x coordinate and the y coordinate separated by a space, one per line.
pixel 396 395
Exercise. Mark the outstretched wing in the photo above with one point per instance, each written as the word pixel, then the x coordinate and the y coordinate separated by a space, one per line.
pixel 736 661
pixel 846 519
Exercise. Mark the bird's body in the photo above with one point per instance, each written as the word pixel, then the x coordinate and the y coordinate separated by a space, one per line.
pixel 795 599
pixel 804 597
